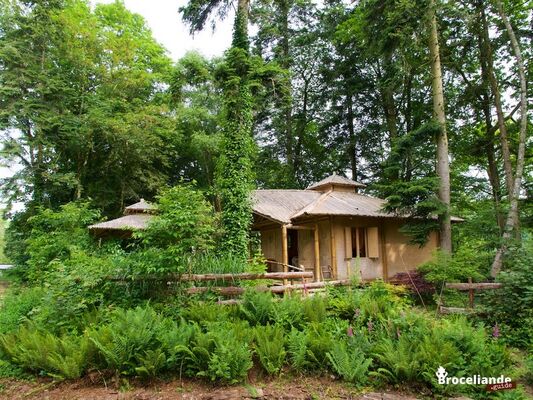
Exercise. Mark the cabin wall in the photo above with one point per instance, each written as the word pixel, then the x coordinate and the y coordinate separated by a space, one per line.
pixel 271 246
pixel 401 256
pixel 364 267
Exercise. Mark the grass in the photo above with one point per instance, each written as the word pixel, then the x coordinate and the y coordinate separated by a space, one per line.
pixel 3 226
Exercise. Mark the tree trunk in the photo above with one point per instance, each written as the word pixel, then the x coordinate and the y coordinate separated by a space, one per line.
pixel 512 216
pixel 443 165
pixel 497 104
pixel 352 145
pixel 492 169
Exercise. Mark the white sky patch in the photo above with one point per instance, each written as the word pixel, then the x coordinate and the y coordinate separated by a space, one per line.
pixel 164 20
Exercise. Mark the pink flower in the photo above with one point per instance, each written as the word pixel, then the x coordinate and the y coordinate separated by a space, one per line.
pixel 370 326
pixel 496 331
pixel 398 334
pixel 357 313
pixel 349 331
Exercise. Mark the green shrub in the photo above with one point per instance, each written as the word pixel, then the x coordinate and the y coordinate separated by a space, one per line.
pixel 381 301
pixel 55 234
pixel 17 305
pixel 288 312
pixel 38 351
pixel 185 225
pixel 467 262
pixel 314 308
pixel 257 307
pixel 125 341
pixel 172 338
pixel 270 347
pixel 511 307
pixel 220 354
pixel 349 362
pixel 308 349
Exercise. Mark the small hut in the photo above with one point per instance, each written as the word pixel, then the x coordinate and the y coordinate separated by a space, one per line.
pixel 136 217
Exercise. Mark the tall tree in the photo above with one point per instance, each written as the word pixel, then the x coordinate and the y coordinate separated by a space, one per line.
pixel 443 163
pixel 512 221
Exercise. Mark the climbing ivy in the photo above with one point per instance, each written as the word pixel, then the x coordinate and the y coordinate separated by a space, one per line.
pixel 234 170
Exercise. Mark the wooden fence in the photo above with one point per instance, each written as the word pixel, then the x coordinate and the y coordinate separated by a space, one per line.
pixel 471 287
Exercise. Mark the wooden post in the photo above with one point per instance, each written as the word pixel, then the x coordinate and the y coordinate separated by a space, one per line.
pixel 384 261
pixel 471 294
pixel 333 249
pixel 284 252
pixel 317 254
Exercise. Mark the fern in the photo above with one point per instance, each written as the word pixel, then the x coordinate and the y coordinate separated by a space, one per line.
pixel 257 307
pixel 349 362
pixel 61 358
pixel 151 363
pixel 298 350
pixel 270 347
pixel 130 334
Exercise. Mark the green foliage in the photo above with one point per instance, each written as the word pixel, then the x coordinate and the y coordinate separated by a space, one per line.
pixel 55 235
pixel 221 354
pixel 308 349
pixel 3 225
pixel 34 350
pixel 126 341
pixel 17 305
pixel 257 307
pixel 349 362
pixel 270 347
pixel 94 125
pixel 184 227
pixel 511 307
pixel 466 262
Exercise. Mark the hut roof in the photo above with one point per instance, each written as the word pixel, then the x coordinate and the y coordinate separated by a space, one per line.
pixel 286 206
pixel 126 223
pixel 335 180
pixel 136 217
pixel 140 207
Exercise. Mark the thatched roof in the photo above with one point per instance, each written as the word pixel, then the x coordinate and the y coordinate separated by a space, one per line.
pixel 140 207
pixel 136 217
pixel 287 206
pixel 335 180
pixel 126 223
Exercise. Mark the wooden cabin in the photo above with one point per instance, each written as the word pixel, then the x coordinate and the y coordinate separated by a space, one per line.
pixel 335 232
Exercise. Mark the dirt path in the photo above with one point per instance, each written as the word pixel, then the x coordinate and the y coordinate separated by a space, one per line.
pixel 300 389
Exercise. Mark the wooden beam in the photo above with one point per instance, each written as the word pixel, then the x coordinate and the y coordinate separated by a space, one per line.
pixel 317 254
pixel 237 290
pixel 300 227
pixel 216 277
pixel 453 310
pixel 475 286
pixel 284 251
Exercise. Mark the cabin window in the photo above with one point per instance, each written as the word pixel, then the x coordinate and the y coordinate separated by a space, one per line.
pixel 359 241
pixel 362 242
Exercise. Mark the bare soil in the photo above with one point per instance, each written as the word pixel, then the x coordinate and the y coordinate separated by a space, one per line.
pixel 282 388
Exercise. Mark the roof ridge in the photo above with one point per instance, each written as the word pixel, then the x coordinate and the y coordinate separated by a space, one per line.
pixel 312 205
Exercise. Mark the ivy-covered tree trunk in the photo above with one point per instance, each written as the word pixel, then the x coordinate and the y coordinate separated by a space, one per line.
pixel 443 166
pixel 234 175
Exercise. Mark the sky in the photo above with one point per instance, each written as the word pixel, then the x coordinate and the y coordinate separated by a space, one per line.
pixel 164 20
